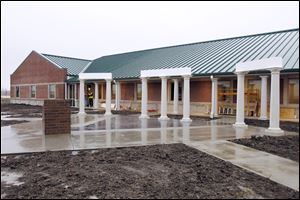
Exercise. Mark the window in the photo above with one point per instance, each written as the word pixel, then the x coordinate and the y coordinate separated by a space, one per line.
pixel 294 91
pixel 17 91
pixel 32 91
pixel 139 91
pixel 52 91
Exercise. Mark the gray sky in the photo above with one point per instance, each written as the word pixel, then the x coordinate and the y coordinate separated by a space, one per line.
pixel 93 29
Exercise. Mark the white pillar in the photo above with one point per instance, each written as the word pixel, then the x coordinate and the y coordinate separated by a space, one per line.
pixel 186 99
pixel 108 97
pixel 66 91
pixel 175 100
pixel 275 102
pixel 240 101
pixel 75 95
pixel 263 96
pixel 69 91
pixel 163 101
pixel 81 97
pixel 96 99
pixel 214 97
pixel 144 109
pixel 118 95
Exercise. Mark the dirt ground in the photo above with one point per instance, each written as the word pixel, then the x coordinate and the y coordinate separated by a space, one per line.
pixel 11 122
pixel 284 146
pixel 21 110
pixel 284 125
pixel 159 171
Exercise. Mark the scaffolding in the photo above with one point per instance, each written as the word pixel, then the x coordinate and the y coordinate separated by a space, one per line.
pixel 227 106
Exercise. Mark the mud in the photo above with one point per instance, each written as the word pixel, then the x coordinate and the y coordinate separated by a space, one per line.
pixel 159 171
pixel 284 146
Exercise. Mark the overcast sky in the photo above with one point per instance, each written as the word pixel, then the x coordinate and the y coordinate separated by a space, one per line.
pixel 93 29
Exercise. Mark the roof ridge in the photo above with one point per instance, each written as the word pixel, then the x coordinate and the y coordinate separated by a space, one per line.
pixel 44 54
pixel 194 43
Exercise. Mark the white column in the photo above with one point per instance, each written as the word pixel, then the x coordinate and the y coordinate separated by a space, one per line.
pixel 81 97
pixel 66 91
pixel 75 95
pixel 175 101
pixel 163 101
pixel 214 97
pixel 118 95
pixel 69 91
pixel 186 99
pixel 96 99
pixel 275 102
pixel 144 109
pixel 263 96
pixel 108 97
pixel 240 101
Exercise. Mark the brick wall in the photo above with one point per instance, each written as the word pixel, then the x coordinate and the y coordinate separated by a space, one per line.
pixel 57 117
pixel 36 70
pixel 127 91
pixel 154 91
pixel 200 91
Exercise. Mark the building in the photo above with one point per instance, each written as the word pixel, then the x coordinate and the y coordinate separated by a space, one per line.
pixel 208 69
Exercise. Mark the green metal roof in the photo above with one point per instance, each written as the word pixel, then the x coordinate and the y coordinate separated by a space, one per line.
pixel 73 65
pixel 205 58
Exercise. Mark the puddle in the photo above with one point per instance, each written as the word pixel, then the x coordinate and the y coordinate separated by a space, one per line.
pixel 11 178
pixel 74 153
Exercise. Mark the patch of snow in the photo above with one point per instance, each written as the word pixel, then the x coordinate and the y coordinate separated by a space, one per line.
pixel 11 178
pixel 93 197
pixel 94 151
pixel 74 153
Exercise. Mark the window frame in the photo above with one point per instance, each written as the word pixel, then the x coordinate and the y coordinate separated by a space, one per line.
pixel 54 91
pixel 17 86
pixel 30 91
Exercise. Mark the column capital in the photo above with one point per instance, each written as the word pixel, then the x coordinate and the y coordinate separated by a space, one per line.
pixel 241 73
pixel 144 78
pixel 175 80
pixel 187 76
pixel 163 77
pixel 96 83
pixel 108 80
pixel 275 70
pixel 265 76
pixel 212 78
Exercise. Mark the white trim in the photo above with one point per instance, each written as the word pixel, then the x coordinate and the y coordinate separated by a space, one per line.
pixel 95 76
pixel 166 72
pixel 87 65
pixel 262 64
pixel 28 84
pixel 49 60
pixel 49 92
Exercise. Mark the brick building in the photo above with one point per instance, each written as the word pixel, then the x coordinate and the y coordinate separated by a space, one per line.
pixel 210 62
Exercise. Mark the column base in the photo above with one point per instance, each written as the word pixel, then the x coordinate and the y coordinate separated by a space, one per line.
pixel 163 118
pixel 184 120
pixel 81 113
pixel 107 114
pixel 274 130
pixel 263 118
pixel 240 124
pixel 144 117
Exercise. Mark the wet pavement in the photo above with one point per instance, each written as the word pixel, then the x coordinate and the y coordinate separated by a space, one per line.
pixel 98 131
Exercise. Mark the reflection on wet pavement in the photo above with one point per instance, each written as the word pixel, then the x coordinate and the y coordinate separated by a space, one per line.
pixel 98 131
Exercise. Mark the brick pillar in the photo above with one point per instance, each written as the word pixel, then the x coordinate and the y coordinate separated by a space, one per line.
pixel 57 117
